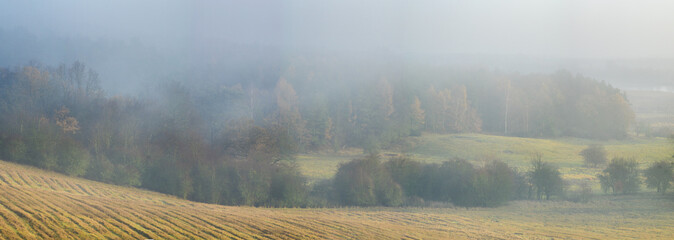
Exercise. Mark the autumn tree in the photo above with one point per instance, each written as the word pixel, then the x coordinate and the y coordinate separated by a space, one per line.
pixel 417 117
pixel 436 107
pixel 449 110
pixel 462 116
pixel 289 117
pixel 67 123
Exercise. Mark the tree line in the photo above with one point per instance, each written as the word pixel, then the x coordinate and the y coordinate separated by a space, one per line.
pixel 234 143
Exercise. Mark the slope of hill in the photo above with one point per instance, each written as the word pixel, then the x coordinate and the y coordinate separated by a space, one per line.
pixel 38 204
pixel 517 152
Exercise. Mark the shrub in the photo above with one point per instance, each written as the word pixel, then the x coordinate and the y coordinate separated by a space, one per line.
pixel 520 185
pixel 545 179
pixel 407 173
pixel 659 175
pixel 322 194
pixel 456 182
pixel 621 176
pixel 365 182
pixel 288 187
pixel 493 184
pixel 594 155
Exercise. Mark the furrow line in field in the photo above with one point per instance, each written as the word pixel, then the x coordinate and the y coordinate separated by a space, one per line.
pixel 187 227
pixel 23 177
pixel 335 229
pixel 65 186
pixel 311 226
pixel 88 215
pixel 59 185
pixel 9 234
pixel 4 180
pixel 317 224
pixel 103 193
pixel 33 182
pixel 198 233
pixel 122 215
pixel 65 220
pixel 338 228
pixel 74 214
pixel 273 228
pixel 46 215
pixel 125 231
pixel 6 231
pixel 72 189
pixel 12 179
pixel 260 220
pixel 389 218
pixel 98 216
pixel 178 225
pixel 14 221
pixel 374 229
pixel 345 224
pixel 232 218
pixel 78 186
pixel 147 218
pixel 417 219
pixel 97 190
pixel 191 220
pixel 50 182
pixel 250 229
pixel 18 207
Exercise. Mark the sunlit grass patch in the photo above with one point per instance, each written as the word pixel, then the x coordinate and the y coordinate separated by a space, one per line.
pixel 517 152
pixel 316 167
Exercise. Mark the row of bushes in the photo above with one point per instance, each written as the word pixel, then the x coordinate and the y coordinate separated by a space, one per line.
pixel 233 183
pixel 368 181
pixel 622 175
pixel 403 181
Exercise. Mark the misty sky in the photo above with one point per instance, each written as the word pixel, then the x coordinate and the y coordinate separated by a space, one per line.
pixel 596 29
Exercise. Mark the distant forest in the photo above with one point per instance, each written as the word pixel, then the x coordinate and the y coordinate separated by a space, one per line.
pixel 231 141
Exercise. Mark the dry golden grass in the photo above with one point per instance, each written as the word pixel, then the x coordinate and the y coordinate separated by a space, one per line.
pixel 36 204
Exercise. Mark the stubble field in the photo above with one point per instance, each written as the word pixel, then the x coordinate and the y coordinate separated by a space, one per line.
pixel 36 204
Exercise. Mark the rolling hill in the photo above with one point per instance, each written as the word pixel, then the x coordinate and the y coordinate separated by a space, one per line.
pixel 37 204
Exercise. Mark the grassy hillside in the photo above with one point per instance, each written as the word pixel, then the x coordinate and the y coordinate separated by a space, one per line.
pixel 38 204
pixel 515 151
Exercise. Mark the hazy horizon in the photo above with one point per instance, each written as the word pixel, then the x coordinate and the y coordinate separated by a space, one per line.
pixel 622 42
pixel 563 29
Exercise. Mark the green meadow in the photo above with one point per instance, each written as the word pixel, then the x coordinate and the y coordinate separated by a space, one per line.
pixel 517 152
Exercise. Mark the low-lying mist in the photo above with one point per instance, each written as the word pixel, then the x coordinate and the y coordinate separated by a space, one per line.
pixel 214 101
